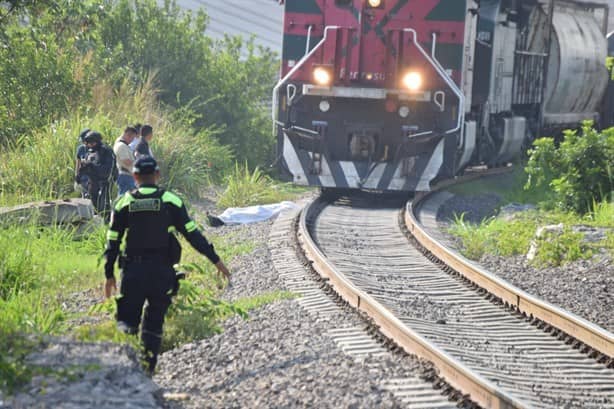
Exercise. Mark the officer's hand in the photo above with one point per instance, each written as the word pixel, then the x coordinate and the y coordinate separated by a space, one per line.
pixel 110 287
pixel 221 268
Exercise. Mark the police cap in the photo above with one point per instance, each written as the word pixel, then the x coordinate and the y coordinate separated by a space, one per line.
pixel 145 165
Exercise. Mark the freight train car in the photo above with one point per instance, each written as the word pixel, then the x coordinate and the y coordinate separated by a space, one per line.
pixel 392 94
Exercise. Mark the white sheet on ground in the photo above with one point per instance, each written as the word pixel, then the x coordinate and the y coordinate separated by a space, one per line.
pixel 253 214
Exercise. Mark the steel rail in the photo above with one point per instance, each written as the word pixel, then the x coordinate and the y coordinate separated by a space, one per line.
pixel 454 372
pixel 590 334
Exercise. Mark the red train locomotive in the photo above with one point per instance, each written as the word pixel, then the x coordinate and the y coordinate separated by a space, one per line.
pixel 393 94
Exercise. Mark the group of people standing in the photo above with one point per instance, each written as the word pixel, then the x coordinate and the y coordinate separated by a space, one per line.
pixel 98 165
pixel 130 146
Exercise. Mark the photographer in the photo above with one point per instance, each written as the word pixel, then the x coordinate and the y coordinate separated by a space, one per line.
pixel 98 167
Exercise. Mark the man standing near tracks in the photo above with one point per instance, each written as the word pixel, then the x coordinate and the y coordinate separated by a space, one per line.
pixel 148 214
pixel 125 160
pixel 143 148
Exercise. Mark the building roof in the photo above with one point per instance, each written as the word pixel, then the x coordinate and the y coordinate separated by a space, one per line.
pixel 262 19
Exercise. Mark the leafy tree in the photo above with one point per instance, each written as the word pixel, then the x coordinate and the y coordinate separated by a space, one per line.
pixel 225 82
pixel 53 54
pixel 579 172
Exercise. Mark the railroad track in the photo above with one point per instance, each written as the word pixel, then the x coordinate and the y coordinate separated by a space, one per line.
pixel 481 342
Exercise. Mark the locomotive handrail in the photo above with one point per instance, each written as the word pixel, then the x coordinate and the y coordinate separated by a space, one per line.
pixel 293 70
pixel 461 140
pixel 442 73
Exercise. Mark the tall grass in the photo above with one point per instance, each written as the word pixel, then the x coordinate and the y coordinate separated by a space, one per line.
pixel 245 187
pixel 39 268
pixel 39 166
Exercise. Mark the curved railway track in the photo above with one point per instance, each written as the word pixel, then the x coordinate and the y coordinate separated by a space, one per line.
pixel 479 344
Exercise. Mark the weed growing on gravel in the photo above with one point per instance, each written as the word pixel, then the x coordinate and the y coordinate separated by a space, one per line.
pixel 15 347
pixel 509 187
pixel 510 237
pixel 493 236
pixel 257 301
pixel 106 332
pixel 561 249
pixel 609 244
pixel 602 214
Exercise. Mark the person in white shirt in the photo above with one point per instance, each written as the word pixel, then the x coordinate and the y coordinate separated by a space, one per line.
pixel 124 160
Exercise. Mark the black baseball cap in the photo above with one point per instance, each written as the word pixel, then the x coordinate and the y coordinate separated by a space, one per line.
pixel 145 165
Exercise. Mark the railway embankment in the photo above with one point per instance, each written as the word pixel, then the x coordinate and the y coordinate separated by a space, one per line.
pixel 582 283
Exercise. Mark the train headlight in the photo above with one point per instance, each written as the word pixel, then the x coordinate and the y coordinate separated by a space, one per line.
pixel 322 75
pixel 412 81
pixel 374 3
pixel 404 111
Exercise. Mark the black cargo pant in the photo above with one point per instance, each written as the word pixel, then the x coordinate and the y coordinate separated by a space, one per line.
pixel 98 192
pixel 151 281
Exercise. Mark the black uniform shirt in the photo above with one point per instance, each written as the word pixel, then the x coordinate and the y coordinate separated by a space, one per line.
pixel 150 214
pixel 98 163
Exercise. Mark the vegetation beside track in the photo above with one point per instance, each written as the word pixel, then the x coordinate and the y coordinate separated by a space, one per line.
pixel 570 183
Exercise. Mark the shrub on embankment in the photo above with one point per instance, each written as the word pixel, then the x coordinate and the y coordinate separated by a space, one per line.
pixel 571 182
pixel 576 174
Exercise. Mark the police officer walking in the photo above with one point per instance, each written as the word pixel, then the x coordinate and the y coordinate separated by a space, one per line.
pixel 148 214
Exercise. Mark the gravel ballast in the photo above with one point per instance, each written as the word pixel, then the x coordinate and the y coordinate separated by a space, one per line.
pixel 583 287
pixel 282 356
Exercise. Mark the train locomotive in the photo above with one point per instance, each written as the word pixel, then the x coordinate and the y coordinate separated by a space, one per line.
pixel 391 95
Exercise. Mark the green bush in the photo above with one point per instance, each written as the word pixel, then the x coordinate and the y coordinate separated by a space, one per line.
pixel 580 171
pixel 45 70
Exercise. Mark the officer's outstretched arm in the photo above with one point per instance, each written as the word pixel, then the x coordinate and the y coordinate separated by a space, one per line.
pixel 187 227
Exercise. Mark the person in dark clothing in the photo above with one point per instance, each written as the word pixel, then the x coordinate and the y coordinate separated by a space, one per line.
pixel 98 167
pixel 81 180
pixel 147 215
pixel 143 148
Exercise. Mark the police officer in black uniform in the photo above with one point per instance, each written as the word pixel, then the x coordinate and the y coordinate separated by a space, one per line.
pixel 149 214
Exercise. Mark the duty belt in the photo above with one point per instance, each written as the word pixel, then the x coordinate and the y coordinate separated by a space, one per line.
pixel 147 258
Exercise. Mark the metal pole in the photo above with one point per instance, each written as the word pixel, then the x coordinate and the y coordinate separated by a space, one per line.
pixel 542 111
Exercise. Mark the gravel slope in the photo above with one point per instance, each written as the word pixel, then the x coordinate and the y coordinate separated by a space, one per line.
pixel 584 287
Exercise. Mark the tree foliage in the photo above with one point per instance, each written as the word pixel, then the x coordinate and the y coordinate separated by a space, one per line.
pixel 579 172
pixel 225 82
pixel 54 53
